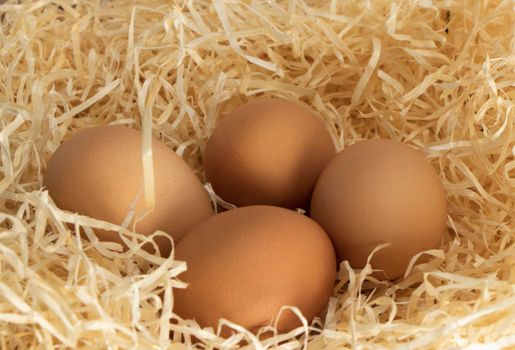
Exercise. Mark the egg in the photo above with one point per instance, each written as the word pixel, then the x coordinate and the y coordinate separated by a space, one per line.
pixel 268 152
pixel 244 264
pixel 98 172
pixel 380 191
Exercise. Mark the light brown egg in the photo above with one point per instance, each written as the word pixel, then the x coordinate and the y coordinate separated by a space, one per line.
pixel 98 172
pixel 380 191
pixel 269 151
pixel 246 263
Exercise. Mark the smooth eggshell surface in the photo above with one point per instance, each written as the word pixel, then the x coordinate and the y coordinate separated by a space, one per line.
pixel 246 263
pixel 269 151
pixel 380 191
pixel 98 172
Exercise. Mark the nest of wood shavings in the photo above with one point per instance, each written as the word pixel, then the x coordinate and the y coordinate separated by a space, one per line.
pixel 436 74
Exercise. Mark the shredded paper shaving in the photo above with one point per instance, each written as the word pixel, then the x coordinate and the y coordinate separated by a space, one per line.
pixel 436 74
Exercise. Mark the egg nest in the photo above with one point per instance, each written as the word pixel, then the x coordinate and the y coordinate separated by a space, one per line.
pixel 438 75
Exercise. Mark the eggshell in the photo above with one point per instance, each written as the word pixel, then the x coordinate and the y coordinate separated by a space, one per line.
pixel 269 151
pixel 98 172
pixel 380 191
pixel 246 263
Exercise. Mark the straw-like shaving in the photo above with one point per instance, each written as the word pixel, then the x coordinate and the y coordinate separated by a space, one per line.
pixel 436 74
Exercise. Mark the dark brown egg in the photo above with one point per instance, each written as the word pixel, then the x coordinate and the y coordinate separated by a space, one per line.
pixel 246 263
pixel 269 152
pixel 380 191
pixel 98 172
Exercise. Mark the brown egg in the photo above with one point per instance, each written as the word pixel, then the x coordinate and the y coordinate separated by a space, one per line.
pixel 380 191
pixel 98 172
pixel 269 152
pixel 246 263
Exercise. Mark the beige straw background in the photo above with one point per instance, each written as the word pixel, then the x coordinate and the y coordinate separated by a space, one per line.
pixel 438 75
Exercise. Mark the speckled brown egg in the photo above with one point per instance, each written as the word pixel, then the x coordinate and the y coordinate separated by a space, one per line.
pixel 246 263
pixel 98 172
pixel 269 151
pixel 380 191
